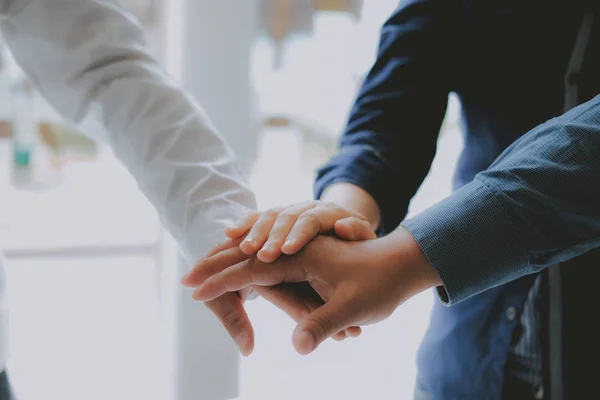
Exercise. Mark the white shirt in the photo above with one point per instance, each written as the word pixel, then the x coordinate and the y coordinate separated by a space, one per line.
pixel 88 58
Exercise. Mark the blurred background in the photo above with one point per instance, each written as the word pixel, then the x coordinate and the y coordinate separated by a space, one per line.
pixel 96 312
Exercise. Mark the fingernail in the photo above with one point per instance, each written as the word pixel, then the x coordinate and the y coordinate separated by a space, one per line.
pixel 269 246
pixel 198 295
pixel 249 239
pixel 289 241
pixel 241 341
pixel 306 342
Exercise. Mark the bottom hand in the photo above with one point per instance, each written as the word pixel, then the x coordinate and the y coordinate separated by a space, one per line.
pixel 229 309
pixel 361 282
pixel 298 301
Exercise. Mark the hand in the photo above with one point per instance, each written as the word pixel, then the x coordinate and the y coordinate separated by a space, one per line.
pixel 287 230
pixel 296 299
pixel 360 282
pixel 229 309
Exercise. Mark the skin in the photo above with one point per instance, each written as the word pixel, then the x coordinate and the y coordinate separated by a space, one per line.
pixel 360 282
pixel 346 211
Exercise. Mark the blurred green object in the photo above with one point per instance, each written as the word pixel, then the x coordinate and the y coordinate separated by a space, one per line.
pixel 22 157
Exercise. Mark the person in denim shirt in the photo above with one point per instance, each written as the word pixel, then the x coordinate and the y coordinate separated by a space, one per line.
pixel 514 65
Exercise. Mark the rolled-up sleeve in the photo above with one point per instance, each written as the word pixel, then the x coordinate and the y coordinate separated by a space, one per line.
pixel 536 206
pixel 391 135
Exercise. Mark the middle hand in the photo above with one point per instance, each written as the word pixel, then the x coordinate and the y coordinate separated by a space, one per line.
pixel 361 282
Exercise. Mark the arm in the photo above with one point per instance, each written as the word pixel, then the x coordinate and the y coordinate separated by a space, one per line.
pixel 536 206
pixel 355 198
pixel 398 112
pixel 89 59
pixel 369 175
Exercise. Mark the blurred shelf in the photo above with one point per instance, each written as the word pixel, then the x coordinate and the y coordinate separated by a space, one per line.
pixel 93 206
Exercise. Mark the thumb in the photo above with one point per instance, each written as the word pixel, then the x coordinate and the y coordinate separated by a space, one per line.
pixel 332 317
pixel 353 228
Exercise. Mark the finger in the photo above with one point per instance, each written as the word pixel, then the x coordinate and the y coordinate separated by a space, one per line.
pixel 289 299
pixel 210 266
pixel 281 228
pixel 353 228
pixel 250 272
pixel 298 303
pixel 226 245
pixel 332 317
pixel 244 294
pixel 354 331
pixel 310 224
pixel 259 232
pixel 242 226
pixel 230 311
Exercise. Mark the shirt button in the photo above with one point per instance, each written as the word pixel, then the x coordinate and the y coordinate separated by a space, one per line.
pixel 511 313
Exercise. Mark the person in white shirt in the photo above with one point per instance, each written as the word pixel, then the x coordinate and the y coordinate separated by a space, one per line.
pixel 89 60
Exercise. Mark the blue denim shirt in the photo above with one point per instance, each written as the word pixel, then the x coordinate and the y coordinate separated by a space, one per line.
pixel 537 205
pixel 506 62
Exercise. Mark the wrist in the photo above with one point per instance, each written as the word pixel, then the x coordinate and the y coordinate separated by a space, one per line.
pixel 355 198
pixel 408 264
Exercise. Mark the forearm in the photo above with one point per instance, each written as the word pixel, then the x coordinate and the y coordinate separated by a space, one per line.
pixel 90 61
pixel 404 252
pixel 354 198
pixel 399 247
pixel 390 139
pixel 536 206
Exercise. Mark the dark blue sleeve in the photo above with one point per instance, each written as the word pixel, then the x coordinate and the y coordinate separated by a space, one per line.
pixel 391 136
pixel 537 205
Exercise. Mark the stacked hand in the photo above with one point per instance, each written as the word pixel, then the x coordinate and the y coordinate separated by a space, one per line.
pixel 329 285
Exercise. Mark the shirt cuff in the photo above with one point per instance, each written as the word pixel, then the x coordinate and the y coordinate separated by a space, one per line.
pixel 470 241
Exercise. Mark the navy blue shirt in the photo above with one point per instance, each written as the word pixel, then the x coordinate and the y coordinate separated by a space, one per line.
pixel 506 61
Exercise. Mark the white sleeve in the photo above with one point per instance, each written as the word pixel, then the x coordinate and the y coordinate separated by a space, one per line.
pixel 89 59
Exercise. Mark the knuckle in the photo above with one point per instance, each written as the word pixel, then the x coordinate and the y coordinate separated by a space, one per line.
pixel 275 239
pixel 329 205
pixel 355 221
pixel 321 325
pixel 291 212
pixel 310 218
pixel 231 321
pixel 248 217
pixel 272 213
pixel 249 266
pixel 287 216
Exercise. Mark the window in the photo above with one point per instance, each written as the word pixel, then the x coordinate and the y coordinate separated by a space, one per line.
pixel 83 268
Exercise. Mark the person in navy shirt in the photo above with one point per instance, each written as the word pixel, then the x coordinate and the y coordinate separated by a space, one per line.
pixel 507 61
pixel 514 65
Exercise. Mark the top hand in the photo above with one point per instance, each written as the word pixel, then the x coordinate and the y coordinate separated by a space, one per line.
pixel 361 282
pixel 287 230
